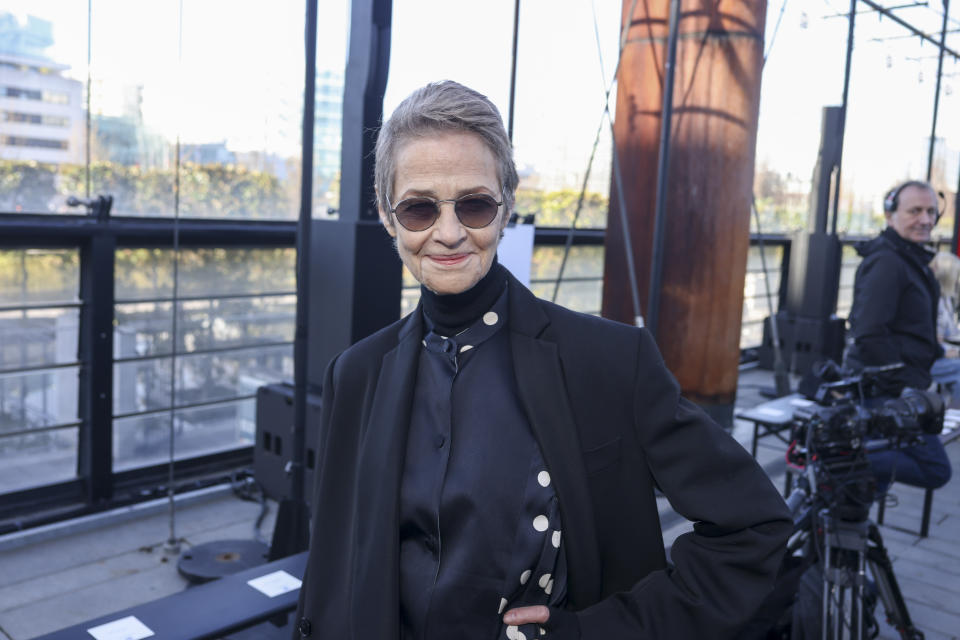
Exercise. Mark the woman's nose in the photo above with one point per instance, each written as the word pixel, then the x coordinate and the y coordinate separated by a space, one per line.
pixel 448 227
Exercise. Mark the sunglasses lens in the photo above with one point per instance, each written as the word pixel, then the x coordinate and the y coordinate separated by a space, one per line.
pixel 417 214
pixel 477 211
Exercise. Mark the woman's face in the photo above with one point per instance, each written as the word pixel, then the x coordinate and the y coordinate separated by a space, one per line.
pixel 447 257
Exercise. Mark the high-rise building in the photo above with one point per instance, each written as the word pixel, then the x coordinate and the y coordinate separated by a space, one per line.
pixel 41 109
pixel 328 112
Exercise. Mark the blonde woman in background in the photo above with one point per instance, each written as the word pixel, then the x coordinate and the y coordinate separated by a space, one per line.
pixel 946 267
pixel 946 370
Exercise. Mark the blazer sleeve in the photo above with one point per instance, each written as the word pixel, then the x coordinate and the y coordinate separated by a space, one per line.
pixel 722 570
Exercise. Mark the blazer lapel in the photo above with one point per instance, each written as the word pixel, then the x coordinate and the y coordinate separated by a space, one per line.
pixel 542 391
pixel 382 451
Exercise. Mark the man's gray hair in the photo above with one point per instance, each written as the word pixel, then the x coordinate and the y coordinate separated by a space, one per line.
pixel 441 107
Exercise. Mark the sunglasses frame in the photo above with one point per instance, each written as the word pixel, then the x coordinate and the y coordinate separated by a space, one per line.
pixel 436 204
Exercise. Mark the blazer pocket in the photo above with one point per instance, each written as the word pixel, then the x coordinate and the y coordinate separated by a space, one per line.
pixel 599 458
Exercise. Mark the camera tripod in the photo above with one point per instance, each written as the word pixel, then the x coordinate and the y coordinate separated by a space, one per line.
pixel 840 551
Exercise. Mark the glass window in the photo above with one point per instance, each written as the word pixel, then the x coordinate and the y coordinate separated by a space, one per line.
pixel 147 274
pixel 581 288
pixel 889 115
pixel 561 81
pixel 474 47
pixel 238 113
pixel 39 382
pixel 235 324
pixel 849 262
pixel 756 305
pixel 144 440
pixel 43 73
pixel 34 459
pixel 333 21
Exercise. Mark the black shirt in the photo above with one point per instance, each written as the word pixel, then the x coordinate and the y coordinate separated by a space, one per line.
pixel 479 519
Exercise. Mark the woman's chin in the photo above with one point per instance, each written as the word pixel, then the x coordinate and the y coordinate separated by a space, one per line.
pixel 450 284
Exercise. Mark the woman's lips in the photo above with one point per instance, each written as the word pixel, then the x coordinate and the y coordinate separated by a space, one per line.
pixel 449 261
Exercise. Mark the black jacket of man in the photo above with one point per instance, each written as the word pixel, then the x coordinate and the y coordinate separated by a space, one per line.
pixel 611 425
pixel 894 314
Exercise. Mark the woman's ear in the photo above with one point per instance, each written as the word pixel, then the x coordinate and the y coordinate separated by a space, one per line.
pixel 386 219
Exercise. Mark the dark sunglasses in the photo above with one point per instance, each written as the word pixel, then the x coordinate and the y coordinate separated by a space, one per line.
pixel 474 210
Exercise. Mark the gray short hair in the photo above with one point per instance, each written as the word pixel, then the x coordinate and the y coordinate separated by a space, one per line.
pixel 438 107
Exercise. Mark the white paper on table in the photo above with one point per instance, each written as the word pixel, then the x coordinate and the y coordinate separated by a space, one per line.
pixel 275 584
pixel 801 402
pixel 129 628
pixel 767 411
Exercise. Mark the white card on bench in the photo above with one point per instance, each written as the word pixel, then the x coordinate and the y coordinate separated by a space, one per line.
pixel 129 628
pixel 274 584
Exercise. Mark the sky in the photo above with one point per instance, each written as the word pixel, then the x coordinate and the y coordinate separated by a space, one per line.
pixel 240 74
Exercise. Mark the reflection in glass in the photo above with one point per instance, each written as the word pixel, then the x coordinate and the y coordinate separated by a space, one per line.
pixel 147 274
pixel 35 459
pixel 559 108
pixel 849 262
pixel 755 305
pixel 38 399
pixel 38 276
pixel 582 286
pixel 144 385
pixel 38 337
pixel 43 70
pixel 240 109
pixel 144 440
pixel 143 328
pixel 579 296
pixel 582 262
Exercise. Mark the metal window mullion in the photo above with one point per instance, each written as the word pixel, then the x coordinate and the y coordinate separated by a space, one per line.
pixel 34 307
pixel 200 352
pixel 43 429
pixel 235 296
pixel 184 407
pixel 95 465
pixel 38 367
pixel 567 279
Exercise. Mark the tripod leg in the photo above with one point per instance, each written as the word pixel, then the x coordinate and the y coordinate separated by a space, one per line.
pixel 893 602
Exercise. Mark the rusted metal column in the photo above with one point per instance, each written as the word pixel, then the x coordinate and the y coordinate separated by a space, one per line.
pixel 715 103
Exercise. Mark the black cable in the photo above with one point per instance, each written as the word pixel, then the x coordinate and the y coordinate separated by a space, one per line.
pixel 247 488
pixel 776 29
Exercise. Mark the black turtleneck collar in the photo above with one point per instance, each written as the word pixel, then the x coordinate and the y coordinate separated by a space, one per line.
pixel 453 313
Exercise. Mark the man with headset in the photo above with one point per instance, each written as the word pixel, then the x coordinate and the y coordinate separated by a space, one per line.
pixel 894 320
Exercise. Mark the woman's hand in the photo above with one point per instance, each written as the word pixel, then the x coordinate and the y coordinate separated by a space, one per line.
pixel 526 615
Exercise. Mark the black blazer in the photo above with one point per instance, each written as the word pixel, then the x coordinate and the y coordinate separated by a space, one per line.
pixel 611 424
pixel 894 313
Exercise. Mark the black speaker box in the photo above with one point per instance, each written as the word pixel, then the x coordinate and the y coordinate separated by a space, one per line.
pixel 803 341
pixel 274 433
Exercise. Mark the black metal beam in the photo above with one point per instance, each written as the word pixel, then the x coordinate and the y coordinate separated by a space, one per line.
pixel 906 25
pixel 95 455
pixel 368 65
pixel 559 235
pixel 355 272
pixel 936 94
pixel 18 230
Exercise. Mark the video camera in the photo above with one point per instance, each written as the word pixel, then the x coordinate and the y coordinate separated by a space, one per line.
pixel 848 419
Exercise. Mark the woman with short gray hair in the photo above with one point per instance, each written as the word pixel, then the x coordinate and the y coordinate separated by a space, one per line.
pixel 487 464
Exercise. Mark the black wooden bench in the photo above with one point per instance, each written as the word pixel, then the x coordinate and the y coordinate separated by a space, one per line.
pixel 206 611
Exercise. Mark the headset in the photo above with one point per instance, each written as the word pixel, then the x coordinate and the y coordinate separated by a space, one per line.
pixel 892 200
